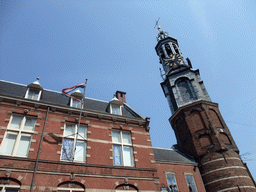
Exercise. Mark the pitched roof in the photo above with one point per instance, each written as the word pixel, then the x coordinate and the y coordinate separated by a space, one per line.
pixel 171 156
pixel 57 98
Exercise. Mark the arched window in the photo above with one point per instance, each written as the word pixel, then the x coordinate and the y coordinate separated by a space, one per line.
pixel 9 185
pixel 126 188
pixel 185 90
pixel 9 188
pixel 70 186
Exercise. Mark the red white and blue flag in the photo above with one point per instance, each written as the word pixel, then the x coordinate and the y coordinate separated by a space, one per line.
pixel 68 90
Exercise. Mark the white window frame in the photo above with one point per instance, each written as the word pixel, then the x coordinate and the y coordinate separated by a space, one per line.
pixel 75 138
pixel 19 132
pixel 171 173
pixel 191 174
pixel 39 93
pixel 69 189
pixel 122 147
pixel 115 106
pixel 3 187
pixel 72 101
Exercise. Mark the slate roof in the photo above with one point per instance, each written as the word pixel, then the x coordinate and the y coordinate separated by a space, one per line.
pixel 57 98
pixel 171 156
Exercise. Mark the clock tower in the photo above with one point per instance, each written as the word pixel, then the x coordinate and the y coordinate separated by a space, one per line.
pixel 198 125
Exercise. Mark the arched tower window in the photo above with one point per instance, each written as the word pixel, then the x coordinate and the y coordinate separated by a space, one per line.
pixel 185 90
pixel 176 48
pixel 168 49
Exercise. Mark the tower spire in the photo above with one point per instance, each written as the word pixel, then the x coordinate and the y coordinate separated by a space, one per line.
pixel 198 125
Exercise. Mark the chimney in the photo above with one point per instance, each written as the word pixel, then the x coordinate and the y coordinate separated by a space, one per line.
pixel 120 95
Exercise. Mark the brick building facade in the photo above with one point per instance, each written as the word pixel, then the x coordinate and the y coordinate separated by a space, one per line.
pixel 38 132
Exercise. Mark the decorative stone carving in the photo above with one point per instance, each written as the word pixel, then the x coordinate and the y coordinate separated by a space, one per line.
pixel 72 177
pixel 7 173
pixel 18 103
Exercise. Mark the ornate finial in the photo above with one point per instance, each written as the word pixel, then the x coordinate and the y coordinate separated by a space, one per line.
pixel 37 78
pixel 162 34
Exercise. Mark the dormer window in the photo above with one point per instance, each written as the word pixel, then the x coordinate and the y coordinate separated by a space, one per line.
pixel 34 91
pixel 115 109
pixel 75 103
pixel 33 94
pixel 76 99
pixel 116 106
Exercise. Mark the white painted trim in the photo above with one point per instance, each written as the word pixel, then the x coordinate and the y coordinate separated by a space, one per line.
pixel 232 167
pixel 26 95
pixel 221 159
pixel 69 189
pixel 3 187
pixel 39 95
pixel 231 188
pixel 53 172
pixel 225 178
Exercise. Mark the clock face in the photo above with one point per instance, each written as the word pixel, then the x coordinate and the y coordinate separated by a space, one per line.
pixel 174 59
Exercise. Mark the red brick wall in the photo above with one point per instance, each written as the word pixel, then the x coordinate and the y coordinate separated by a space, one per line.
pixel 210 142
pixel 97 173
pixel 180 171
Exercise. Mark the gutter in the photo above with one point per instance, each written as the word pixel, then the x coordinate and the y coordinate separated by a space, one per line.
pixel 39 151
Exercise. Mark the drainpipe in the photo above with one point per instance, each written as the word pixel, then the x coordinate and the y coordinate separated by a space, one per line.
pixel 38 152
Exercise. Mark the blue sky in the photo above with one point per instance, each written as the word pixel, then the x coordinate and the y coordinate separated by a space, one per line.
pixel 111 43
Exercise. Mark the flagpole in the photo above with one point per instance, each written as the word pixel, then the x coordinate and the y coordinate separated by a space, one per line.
pixel 76 135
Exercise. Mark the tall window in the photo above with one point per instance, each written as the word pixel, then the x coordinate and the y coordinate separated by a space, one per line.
pixel 17 138
pixel 74 143
pixel 9 188
pixel 171 180
pixel 122 148
pixel 191 183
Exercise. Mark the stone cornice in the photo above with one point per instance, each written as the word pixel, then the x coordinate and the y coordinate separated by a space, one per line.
pixel 70 110
pixel 191 105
